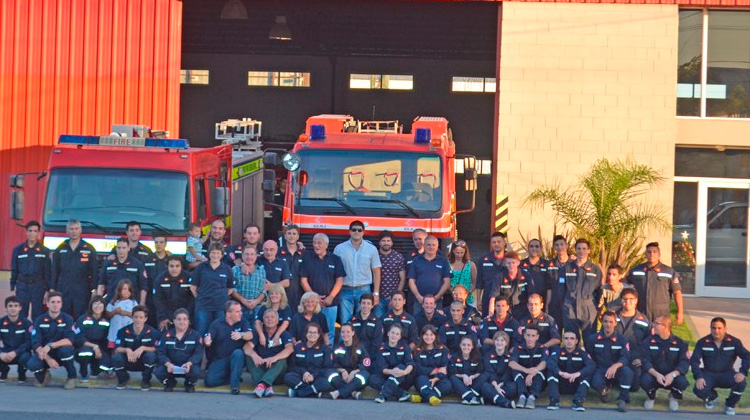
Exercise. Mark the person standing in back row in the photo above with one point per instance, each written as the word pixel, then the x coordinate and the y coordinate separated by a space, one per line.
pixel 74 271
pixel 656 283
pixel 491 270
pixel 30 271
pixel 429 274
pixel 362 266
pixel 582 279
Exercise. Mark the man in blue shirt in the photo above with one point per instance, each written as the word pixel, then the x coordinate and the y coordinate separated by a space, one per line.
pixel 277 270
pixel 225 340
pixel 362 265
pixel 429 274
pixel 323 273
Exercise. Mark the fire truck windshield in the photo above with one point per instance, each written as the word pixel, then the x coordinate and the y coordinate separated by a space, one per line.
pixel 107 197
pixel 368 182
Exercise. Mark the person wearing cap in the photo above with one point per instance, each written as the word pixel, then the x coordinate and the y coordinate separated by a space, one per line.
pixel 30 271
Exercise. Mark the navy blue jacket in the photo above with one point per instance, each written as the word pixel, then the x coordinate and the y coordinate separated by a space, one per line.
pixel 180 351
pixel 30 265
pixel 719 359
pixel 48 330
pixel 16 336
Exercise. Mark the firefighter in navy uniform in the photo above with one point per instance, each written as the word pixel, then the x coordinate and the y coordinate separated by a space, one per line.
pixel 610 352
pixel 665 364
pixel 123 266
pixel 136 249
pixel 656 283
pixel 549 332
pixel 719 351
pixel 556 278
pixel 529 363
pixel 352 363
pixel 582 279
pixel 172 292
pixel 394 370
pixel 135 350
pixel 511 285
pixel 490 269
pixel 456 328
pixel 502 320
pixel 569 371
pixel 499 389
pixel 91 343
pixel 179 354
pixel 466 371
pixel 74 271
pixel 292 253
pixel 397 315
pixel 432 363
pixel 311 372
pixel 30 271
pixel 534 268
pixel 368 327
pixel 52 343
pixel 635 327
pixel 15 334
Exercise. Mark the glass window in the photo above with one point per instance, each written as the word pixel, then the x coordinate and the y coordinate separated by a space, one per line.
pixel 712 162
pixel 194 77
pixel 108 198
pixel 473 84
pixel 689 52
pixel 683 236
pixel 381 81
pixel 728 77
pixel 200 200
pixel 278 78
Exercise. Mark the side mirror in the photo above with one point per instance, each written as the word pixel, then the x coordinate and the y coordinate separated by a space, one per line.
pixel 220 202
pixel 17 181
pixel 269 185
pixel 16 205
pixel 271 159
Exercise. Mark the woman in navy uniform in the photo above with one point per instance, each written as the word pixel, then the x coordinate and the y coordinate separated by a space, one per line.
pixel 91 340
pixel 466 371
pixel 394 369
pixel 292 252
pixel 352 361
pixel 431 358
pixel 367 325
pixel 180 353
pixel 499 388
pixel 312 365
pixel 308 311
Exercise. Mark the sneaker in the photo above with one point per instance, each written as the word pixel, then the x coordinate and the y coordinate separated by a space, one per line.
pixel 169 388
pixel 122 385
pixel 45 381
pixel 648 404
pixel 334 395
pixel 145 385
pixel 465 402
pixel 22 376
pixel 711 404
pixel 320 395
pixel 356 395
pixel 292 392
pixel 405 396
pixel 604 395
pixel 259 390
pixel 4 376
pixel 729 411
pixel 553 405
pixel 674 403
pixel 435 401
pixel 70 383
pixel 578 406
pixel 509 404
pixel 475 401
pixel 84 378
pixel 531 402
pixel 189 388
pixel 268 392
pixel 521 402
pixel 622 406
pixel 416 399
pixel 380 399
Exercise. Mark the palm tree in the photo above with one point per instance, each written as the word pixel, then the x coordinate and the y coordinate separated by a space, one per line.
pixel 607 207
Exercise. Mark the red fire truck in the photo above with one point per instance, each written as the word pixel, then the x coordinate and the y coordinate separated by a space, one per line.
pixel 342 169
pixel 135 175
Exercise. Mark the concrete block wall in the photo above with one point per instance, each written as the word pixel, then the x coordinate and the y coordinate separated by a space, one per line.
pixel 581 82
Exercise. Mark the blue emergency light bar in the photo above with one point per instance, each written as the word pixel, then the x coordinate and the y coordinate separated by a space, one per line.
pixel 317 132
pixel 422 136
pixel 124 141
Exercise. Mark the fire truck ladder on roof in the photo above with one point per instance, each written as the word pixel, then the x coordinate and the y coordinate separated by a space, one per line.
pixel 242 134
pixel 379 127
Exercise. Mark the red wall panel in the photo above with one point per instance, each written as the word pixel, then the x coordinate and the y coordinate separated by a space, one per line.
pixel 78 67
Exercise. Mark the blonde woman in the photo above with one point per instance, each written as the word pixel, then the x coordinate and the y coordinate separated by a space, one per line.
pixel 277 300
pixel 309 311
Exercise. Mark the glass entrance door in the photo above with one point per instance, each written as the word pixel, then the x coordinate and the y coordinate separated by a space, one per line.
pixel 722 238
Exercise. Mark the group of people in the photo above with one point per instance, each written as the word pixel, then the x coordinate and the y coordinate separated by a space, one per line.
pixel 487 331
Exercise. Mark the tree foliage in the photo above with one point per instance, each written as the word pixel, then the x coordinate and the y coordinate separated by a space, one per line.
pixel 607 206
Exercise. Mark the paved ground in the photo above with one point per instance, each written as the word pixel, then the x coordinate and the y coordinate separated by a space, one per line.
pixel 53 402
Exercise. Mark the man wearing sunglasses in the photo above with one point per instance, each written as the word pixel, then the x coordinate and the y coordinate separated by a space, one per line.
pixel 362 265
